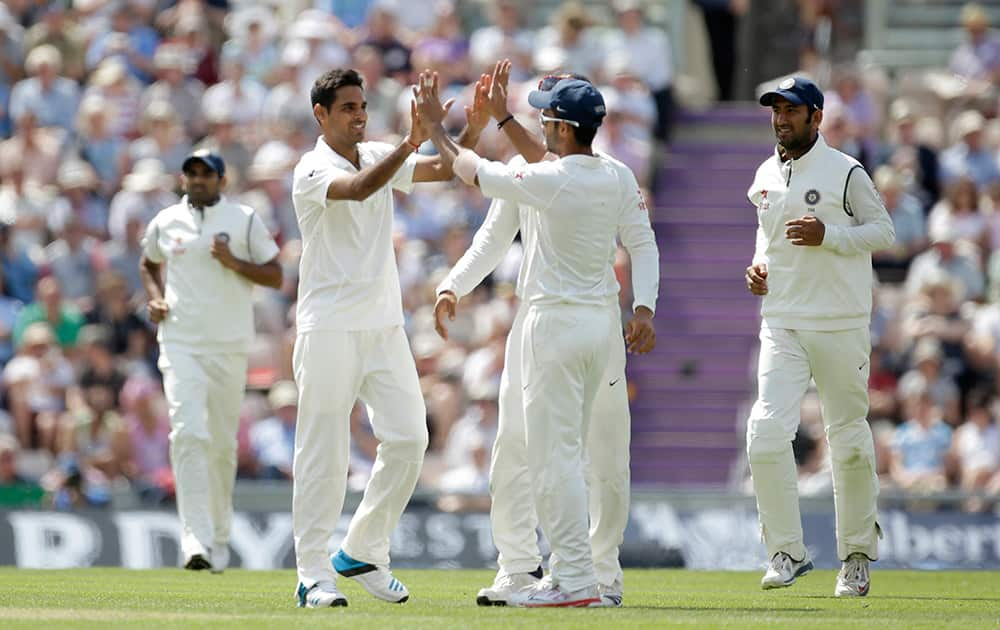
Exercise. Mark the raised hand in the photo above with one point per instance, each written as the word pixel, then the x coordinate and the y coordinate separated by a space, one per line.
pixel 498 90
pixel 428 100
pixel 478 114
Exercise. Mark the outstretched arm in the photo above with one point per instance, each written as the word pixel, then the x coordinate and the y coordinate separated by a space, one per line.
pixel 431 113
pixel 531 148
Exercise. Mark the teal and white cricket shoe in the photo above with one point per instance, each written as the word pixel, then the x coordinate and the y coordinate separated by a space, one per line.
pixel 319 595
pixel 612 594
pixel 782 570
pixel 375 579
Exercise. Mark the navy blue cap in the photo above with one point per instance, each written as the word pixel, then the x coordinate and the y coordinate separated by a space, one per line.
pixel 209 159
pixel 574 100
pixel 797 91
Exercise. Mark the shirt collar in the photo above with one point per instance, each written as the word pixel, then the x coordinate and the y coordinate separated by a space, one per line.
pixel 805 159
pixel 587 161
pixel 325 149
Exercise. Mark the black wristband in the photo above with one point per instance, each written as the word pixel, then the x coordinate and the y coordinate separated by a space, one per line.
pixel 504 121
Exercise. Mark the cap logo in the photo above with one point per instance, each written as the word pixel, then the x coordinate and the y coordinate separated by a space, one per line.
pixel 787 84
pixel 599 109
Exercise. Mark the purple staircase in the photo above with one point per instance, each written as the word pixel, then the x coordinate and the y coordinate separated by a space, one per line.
pixel 691 388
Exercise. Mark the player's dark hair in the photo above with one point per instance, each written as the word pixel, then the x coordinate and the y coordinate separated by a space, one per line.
pixel 584 135
pixel 324 90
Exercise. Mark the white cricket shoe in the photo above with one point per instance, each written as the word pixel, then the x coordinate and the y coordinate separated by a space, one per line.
pixel 611 594
pixel 555 597
pixel 783 570
pixel 219 559
pixel 853 579
pixel 375 579
pixel 505 584
pixel 319 595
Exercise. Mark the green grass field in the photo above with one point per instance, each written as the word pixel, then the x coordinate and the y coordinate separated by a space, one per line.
pixel 171 598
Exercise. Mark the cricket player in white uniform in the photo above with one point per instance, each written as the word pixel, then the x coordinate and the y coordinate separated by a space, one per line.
pixel 574 207
pixel 350 344
pixel 513 518
pixel 819 220
pixel 214 251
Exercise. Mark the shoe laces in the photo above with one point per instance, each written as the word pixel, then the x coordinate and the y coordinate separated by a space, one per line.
pixel 782 562
pixel 855 569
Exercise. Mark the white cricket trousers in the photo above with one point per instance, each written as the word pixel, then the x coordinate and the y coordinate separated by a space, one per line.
pixel 564 352
pixel 333 369
pixel 839 363
pixel 513 517
pixel 204 393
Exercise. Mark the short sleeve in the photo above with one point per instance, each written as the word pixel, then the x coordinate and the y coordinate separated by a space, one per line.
pixel 151 242
pixel 310 183
pixel 262 247
pixel 402 180
pixel 534 185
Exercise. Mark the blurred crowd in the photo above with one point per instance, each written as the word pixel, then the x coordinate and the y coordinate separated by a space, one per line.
pixel 100 102
pixel 933 149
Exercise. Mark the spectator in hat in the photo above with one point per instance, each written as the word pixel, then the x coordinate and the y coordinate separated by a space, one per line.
pixel 268 173
pixel 958 212
pixel 978 57
pixel 58 28
pixel 568 45
pixel 919 447
pixel 324 44
pixel 173 85
pixel 79 200
pixel 928 371
pixel 273 438
pixel 644 51
pixel 123 255
pixel 225 140
pixel 74 259
pixel 163 137
pixel 193 35
pixel 237 93
pixel 144 192
pixel 35 382
pixel 98 145
pixel 504 38
pixel 952 257
pixel 128 39
pixel 252 31
pixel 128 335
pixel 907 217
pixel 49 95
pixel 111 80
pixel 916 160
pixel 968 155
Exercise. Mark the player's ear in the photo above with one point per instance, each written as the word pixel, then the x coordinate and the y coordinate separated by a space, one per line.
pixel 817 117
pixel 222 182
pixel 320 113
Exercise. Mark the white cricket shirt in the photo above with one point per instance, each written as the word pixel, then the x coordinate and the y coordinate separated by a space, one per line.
pixel 505 218
pixel 570 212
pixel 211 308
pixel 826 287
pixel 347 274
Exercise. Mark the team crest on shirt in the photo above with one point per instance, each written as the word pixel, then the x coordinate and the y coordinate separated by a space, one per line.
pixel 812 197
